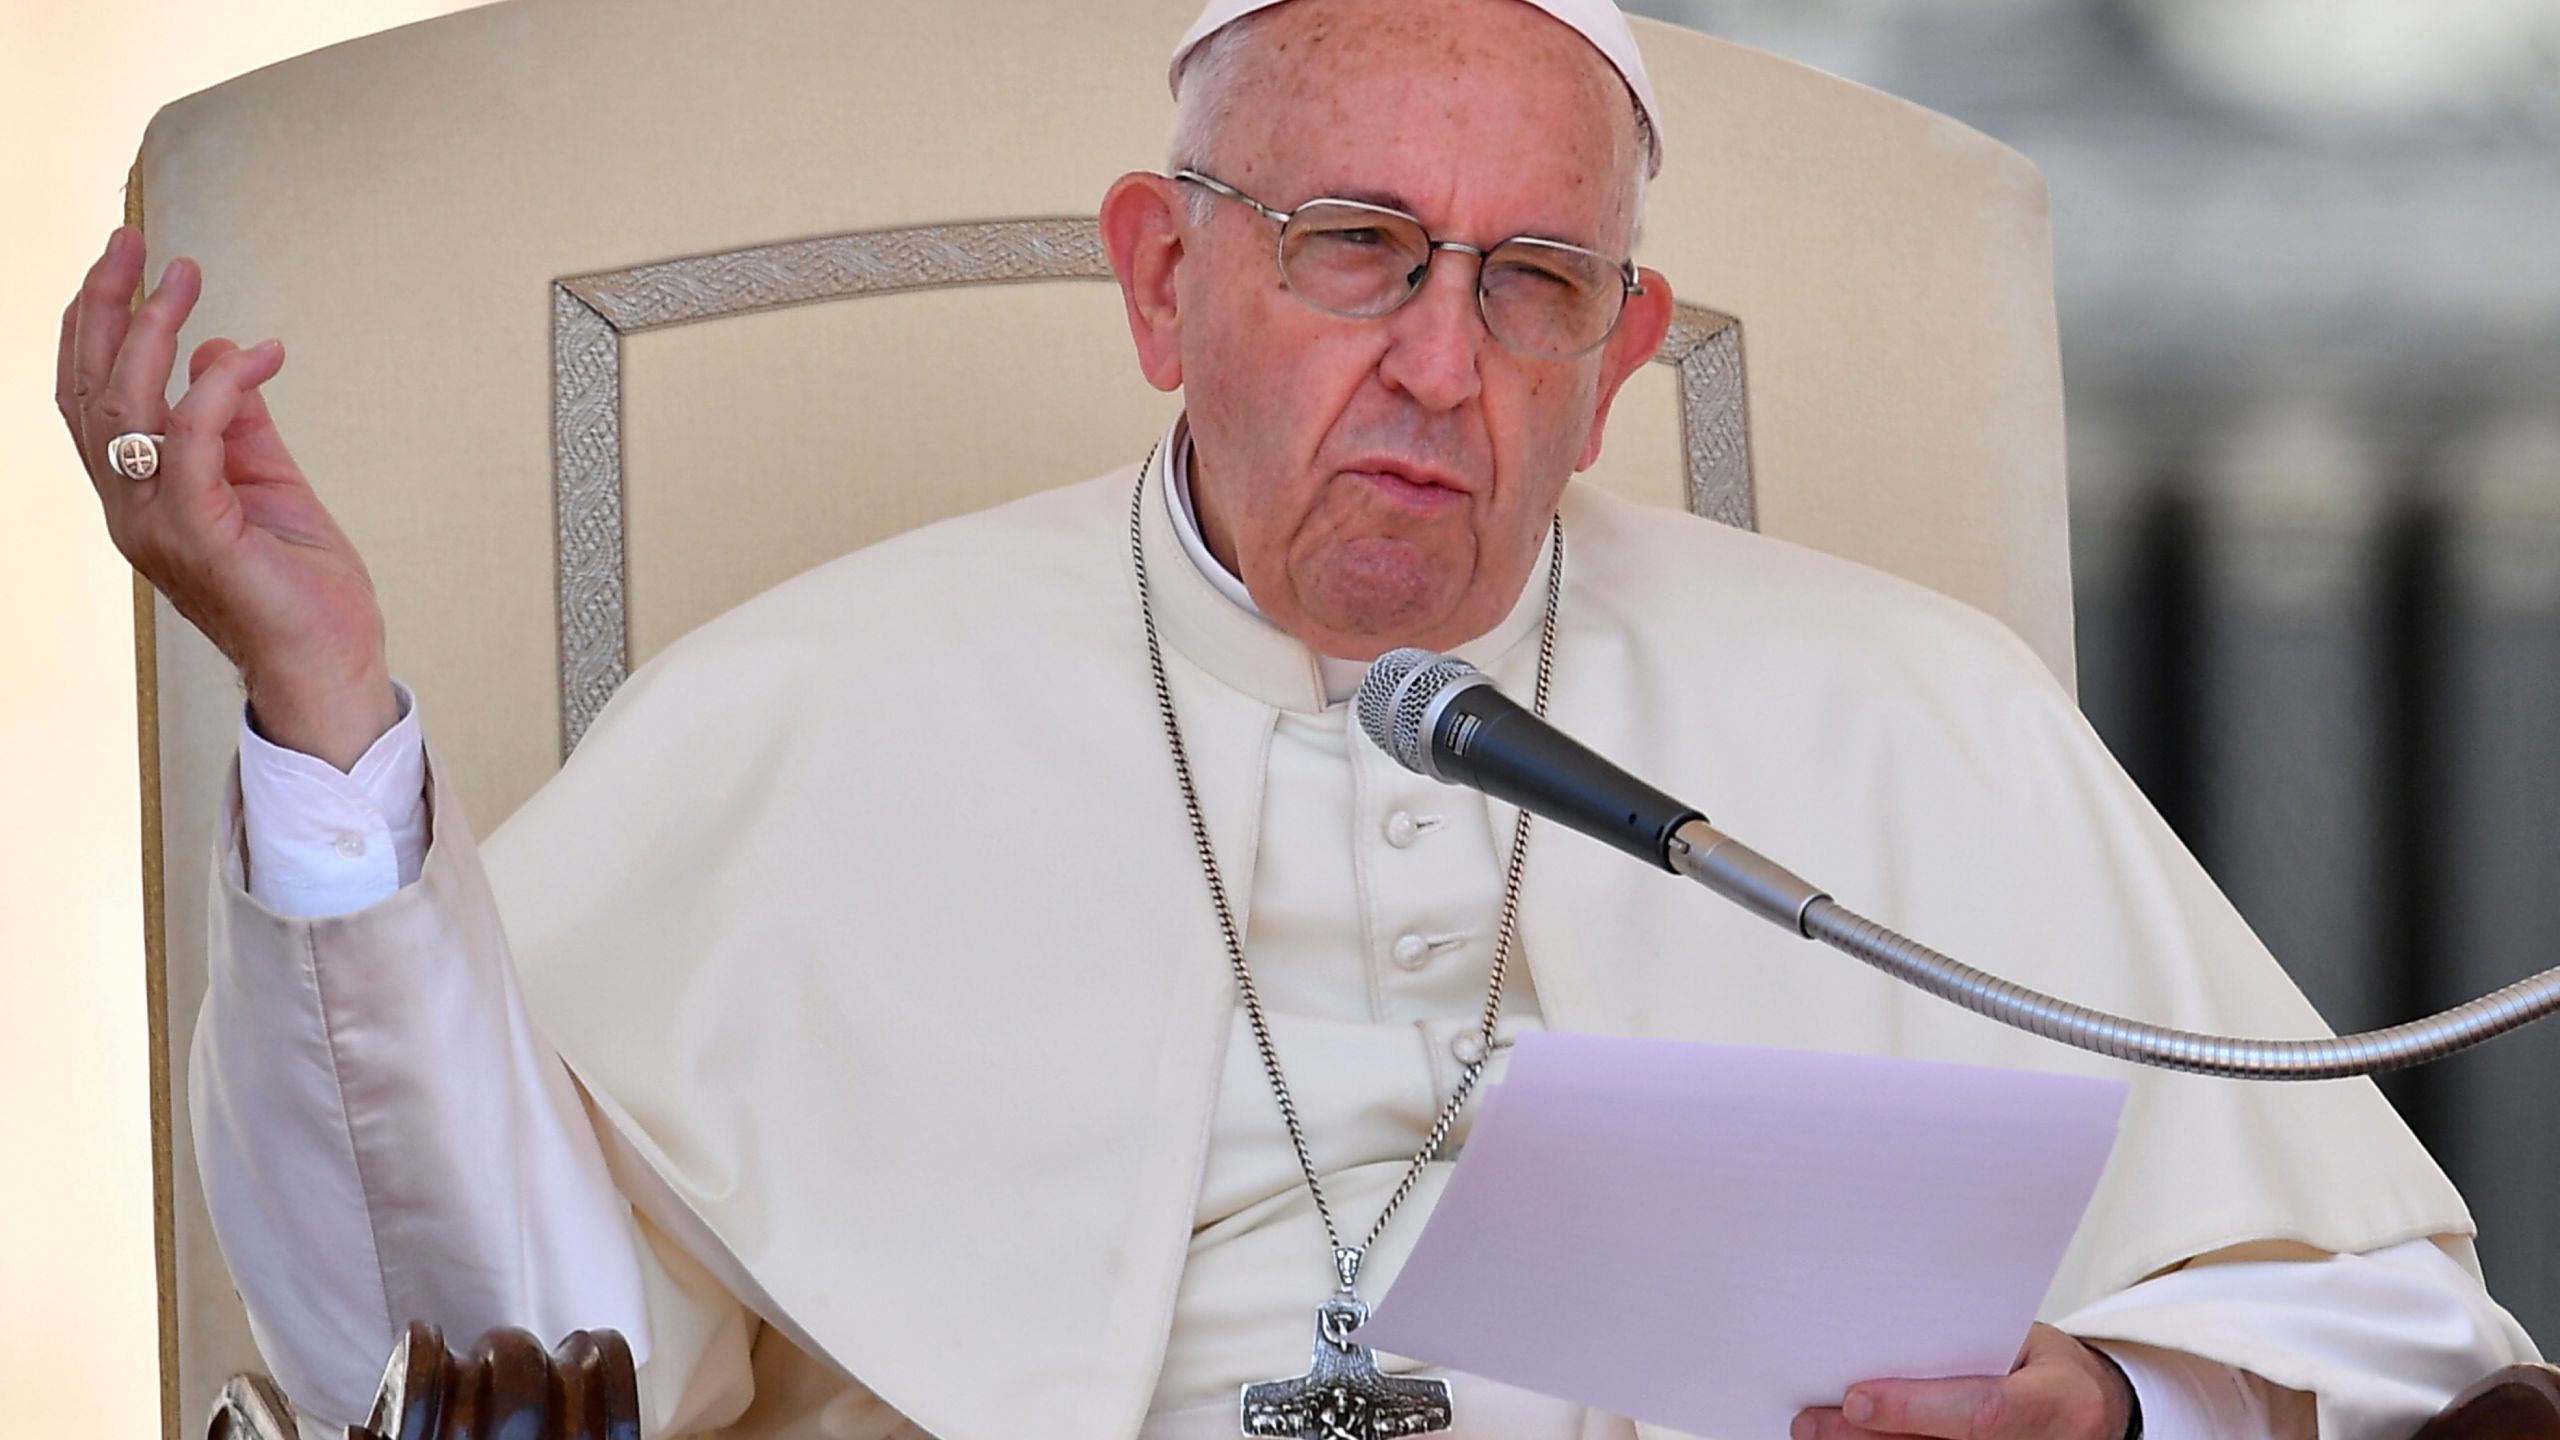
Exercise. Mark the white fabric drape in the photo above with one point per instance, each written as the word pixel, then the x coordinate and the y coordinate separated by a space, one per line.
pixel 1371 948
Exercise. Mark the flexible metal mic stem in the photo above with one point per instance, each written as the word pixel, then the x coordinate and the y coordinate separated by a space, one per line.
pixel 1767 889
pixel 1439 716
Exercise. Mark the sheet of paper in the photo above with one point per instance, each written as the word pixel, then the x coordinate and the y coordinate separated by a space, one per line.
pixel 1713 1237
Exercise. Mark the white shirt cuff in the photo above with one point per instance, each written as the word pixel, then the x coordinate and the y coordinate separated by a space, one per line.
pixel 2187 1397
pixel 323 842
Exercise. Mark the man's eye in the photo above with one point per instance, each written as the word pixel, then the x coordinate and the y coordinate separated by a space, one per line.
pixel 1357 237
pixel 1522 275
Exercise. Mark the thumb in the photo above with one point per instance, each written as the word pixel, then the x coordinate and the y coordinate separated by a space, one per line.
pixel 193 465
pixel 252 438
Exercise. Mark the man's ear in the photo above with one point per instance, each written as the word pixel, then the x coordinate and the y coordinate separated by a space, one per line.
pixel 1639 334
pixel 1142 231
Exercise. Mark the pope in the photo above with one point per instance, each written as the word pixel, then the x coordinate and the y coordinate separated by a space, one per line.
pixel 847 1145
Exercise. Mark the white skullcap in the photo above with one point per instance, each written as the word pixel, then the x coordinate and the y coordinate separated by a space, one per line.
pixel 1597 21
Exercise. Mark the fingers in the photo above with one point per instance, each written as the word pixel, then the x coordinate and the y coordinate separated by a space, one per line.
pixel 206 353
pixel 102 310
pixel 137 390
pixel 253 449
pixel 192 456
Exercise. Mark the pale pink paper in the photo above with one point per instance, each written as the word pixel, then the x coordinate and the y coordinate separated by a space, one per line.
pixel 1714 1237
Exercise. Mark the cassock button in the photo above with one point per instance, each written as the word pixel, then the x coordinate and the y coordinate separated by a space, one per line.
pixel 1467 1046
pixel 1403 829
pixel 1411 951
pixel 351 845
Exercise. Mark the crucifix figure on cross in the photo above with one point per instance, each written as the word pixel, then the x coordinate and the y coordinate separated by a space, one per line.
pixel 1343 1396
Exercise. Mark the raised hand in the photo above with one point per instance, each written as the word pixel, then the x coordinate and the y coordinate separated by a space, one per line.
pixel 2060 1389
pixel 227 527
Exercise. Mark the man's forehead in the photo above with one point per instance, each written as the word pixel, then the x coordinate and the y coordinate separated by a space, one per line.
pixel 1456 149
pixel 1598 22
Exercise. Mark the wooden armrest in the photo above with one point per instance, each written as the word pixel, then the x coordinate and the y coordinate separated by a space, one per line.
pixel 587 1389
pixel 2521 1402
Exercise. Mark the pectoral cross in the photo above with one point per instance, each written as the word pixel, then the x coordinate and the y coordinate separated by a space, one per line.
pixel 1343 1396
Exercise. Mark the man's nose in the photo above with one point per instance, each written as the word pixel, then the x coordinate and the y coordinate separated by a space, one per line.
pixel 1436 339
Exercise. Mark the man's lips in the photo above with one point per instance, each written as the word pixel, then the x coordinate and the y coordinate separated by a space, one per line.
pixel 1414 486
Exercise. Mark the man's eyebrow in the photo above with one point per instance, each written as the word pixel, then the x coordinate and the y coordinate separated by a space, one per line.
pixel 1393 201
pixel 1388 198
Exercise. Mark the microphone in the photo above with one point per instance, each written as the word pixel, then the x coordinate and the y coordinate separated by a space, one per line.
pixel 1442 717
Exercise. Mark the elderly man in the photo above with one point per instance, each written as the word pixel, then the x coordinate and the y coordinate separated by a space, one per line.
pixel 860 1140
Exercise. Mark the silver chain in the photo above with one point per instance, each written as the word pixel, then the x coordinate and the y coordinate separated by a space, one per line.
pixel 1346 1259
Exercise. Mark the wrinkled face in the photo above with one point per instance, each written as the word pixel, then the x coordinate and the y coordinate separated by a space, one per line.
pixel 1389 481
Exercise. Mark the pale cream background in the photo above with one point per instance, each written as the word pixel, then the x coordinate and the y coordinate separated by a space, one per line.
pixel 78 1341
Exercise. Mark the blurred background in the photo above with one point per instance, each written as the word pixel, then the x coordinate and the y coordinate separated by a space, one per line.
pixel 2309 266
pixel 2308 263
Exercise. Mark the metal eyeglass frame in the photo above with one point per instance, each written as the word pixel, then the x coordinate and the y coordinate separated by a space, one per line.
pixel 1630 286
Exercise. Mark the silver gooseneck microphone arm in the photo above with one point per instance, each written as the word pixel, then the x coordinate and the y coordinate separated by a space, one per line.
pixel 1767 889
pixel 1440 717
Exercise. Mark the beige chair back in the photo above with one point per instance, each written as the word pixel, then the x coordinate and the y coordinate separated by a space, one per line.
pixel 604 315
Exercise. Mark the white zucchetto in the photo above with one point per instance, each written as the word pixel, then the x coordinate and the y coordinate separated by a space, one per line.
pixel 1597 21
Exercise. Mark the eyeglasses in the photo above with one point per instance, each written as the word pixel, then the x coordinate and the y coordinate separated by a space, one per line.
pixel 1347 257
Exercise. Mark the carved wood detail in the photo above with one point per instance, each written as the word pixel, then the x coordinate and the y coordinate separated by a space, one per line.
pixel 506 1388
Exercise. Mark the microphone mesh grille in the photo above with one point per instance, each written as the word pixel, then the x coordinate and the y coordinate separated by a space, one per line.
pixel 1398 689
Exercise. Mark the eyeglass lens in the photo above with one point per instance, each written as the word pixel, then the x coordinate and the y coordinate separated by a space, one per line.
pixel 1544 299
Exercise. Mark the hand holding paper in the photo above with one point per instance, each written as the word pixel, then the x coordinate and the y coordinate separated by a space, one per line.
pixel 1715 1238
pixel 2061 1390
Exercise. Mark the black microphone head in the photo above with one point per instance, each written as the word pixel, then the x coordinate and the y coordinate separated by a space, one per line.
pixel 1395 697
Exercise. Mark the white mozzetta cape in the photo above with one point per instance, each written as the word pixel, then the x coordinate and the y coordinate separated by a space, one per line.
pixel 931 1091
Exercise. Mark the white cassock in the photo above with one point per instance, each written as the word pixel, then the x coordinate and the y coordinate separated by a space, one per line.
pixel 868 921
